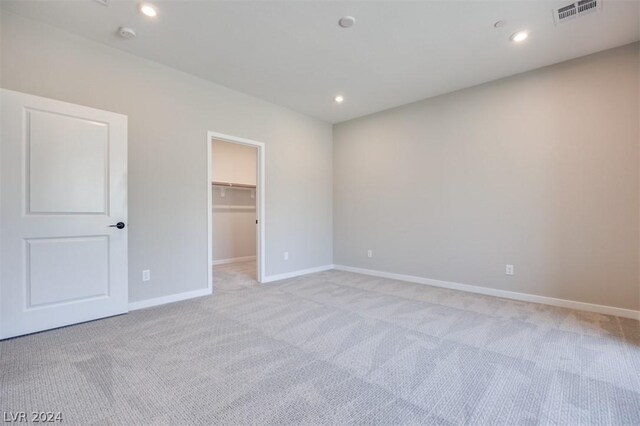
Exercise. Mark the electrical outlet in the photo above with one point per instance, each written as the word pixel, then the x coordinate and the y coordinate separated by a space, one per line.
pixel 146 275
pixel 285 255
pixel 509 270
pixel 369 254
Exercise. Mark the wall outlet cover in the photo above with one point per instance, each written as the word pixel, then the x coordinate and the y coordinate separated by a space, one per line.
pixel 509 270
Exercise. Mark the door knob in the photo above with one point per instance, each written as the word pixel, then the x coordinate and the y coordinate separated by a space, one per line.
pixel 118 225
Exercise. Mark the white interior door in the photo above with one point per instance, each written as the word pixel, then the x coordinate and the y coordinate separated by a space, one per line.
pixel 63 183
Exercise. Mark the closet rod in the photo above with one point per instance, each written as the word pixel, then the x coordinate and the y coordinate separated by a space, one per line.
pixel 233 185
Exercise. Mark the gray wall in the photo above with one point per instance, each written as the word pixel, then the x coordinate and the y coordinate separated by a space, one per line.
pixel 169 115
pixel 233 222
pixel 233 162
pixel 539 170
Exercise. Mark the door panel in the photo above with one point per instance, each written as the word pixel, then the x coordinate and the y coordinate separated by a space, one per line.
pixel 63 182
pixel 60 270
pixel 60 149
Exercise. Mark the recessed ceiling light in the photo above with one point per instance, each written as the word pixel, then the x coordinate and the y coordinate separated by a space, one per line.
pixel 347 21
pixel 499 24
pixel 519 36
pixel 148 10
pixel 339 99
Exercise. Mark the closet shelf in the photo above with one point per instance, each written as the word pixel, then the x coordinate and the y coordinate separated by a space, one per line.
pixel 232 207
pixel 233 185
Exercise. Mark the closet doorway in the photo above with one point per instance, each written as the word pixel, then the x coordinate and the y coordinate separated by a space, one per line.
pixel 235 187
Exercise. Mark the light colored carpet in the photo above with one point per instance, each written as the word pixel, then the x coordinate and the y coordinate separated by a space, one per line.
pixel 331 348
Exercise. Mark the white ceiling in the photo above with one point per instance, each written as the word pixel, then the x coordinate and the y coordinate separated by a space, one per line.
pixel 293 53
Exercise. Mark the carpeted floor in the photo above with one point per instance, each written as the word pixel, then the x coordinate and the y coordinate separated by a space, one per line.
pixel 331 348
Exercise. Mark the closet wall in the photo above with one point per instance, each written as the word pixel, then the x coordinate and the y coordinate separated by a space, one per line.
pixel 234 209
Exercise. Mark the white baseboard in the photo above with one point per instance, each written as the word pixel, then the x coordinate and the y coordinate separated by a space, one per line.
pixel 134 306
pixel 233 260
pixel 278 277
pixel 563 303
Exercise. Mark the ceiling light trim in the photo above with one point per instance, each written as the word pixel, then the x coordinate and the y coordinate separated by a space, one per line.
pixel 149 10
pixel 519 37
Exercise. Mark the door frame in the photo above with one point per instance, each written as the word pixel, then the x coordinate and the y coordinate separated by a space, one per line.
pixel 260 202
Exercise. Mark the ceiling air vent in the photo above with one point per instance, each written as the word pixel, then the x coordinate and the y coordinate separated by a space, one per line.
pixel 567 12
pixel 576 9
pixel 586 5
